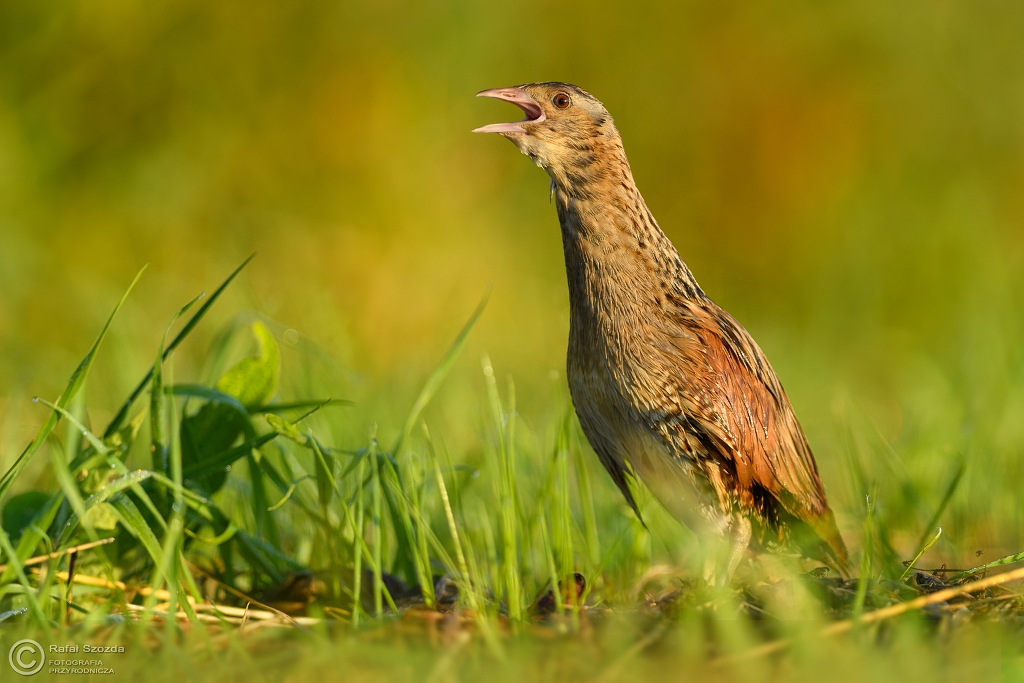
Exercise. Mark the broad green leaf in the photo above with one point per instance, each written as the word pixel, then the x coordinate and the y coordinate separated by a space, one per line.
pixel 218 463
pixel 253 380
pixel 33 533
pixel 21 509
pixel 210 432
pixel 205 437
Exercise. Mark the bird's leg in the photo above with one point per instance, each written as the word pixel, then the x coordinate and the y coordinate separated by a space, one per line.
pixel 741 533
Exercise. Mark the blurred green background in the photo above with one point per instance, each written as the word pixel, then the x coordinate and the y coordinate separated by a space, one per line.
pixel 846 178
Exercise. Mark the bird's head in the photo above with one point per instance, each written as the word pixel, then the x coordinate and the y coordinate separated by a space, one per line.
pixel 565 130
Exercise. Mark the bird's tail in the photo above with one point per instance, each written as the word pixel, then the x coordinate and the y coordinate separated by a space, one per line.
pixel 836 555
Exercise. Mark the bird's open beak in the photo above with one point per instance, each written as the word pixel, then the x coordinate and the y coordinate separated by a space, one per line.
pixel 518 97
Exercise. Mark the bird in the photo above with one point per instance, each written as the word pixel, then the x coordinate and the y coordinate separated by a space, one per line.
pixel 668 387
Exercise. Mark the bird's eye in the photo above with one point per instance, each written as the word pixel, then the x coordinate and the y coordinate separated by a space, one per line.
pixel 561 100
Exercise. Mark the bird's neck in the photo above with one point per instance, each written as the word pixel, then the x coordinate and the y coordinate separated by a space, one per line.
pixel 618 260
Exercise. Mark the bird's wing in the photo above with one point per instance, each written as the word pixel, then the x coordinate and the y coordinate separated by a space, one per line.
pixel 601 433
pixel 617 468
pixel 733 403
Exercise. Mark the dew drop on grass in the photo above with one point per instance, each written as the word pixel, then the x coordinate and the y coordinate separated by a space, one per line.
pixel 291 337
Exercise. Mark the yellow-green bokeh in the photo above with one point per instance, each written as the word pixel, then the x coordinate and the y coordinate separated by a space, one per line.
pixel 846 178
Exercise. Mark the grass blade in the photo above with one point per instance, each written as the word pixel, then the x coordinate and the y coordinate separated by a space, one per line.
pixel 404 563
pixel 910 565
pixel 278 408
pixel 78 378
pixel 157 418
pixel 357 535
pixel 866 556
pixel 378 531
pixel 934 521
pixel 454 531
pixel 437 378
pixel 1009 559
pixel 122 414
pixel 30 593
pixel 508 500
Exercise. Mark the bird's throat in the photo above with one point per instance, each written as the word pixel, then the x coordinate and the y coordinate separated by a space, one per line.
pixel 618 261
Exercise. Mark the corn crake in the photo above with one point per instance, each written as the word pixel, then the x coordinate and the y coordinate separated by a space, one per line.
pixel 667 385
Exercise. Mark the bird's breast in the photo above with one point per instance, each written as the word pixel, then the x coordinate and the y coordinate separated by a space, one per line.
pixel 610 417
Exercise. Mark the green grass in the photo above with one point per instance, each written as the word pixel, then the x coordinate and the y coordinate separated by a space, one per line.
pixel 224 490
pixel 843 177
